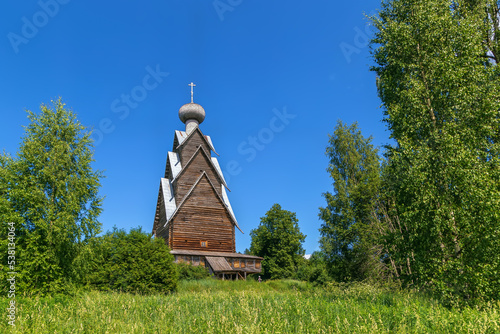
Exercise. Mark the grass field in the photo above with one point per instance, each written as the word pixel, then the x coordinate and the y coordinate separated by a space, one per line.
pixel 249 307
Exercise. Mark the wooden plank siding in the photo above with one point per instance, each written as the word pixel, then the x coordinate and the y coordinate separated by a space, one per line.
pixel 190 235
pixel 191 144
pixel 202 217
pixel 192 172
pixel 196 224
pixel 205 195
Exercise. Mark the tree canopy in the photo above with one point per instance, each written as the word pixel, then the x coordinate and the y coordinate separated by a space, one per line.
pixel 438 79
pixel 279 241
pixel 346 232
pixel 50 193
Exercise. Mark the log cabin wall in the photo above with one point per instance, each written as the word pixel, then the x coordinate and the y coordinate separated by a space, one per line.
pixel 190 145
pixel 203 217
pixel 192 172
pixel 206 230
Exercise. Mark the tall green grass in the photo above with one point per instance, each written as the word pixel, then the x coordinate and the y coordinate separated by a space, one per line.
pixel 211 306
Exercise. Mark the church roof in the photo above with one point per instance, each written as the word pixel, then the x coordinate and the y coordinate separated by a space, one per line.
pixel 217 166
pixel 175 164
pixel 219 263
pixel 211 253
pixel 210 160
pixel 182 136
pixel 226 201
pixel 168 197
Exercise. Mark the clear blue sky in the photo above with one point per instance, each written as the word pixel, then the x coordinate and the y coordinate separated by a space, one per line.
pixel 249 60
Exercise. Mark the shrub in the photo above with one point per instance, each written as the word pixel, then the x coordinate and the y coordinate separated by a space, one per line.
pixel 132 262
pixel 188 272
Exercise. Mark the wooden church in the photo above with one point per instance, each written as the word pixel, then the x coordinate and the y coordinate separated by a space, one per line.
pixel 193 213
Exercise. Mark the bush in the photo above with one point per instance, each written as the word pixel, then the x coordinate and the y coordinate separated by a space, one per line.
pixel 188 272
pixel 132 262
pixel 313 270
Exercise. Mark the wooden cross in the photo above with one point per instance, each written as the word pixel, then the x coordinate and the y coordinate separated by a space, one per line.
pixel 192 85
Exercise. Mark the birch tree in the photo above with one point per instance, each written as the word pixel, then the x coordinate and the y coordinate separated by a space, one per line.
pixel 438 80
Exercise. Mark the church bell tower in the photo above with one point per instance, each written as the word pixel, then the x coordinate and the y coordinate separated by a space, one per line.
pixel 193 212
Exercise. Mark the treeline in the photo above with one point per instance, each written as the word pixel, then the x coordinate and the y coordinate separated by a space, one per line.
pixel 49 205
pixel 435 218
pixel 426 211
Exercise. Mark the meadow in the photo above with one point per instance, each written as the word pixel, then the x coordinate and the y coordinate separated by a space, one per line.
pixel 211 306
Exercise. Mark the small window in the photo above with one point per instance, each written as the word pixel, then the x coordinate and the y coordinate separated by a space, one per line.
pixel 236 263
pixel 203 243
pixel 257 264
pixel 243 263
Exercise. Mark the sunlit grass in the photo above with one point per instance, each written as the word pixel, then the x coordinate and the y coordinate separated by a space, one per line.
pixel 211 306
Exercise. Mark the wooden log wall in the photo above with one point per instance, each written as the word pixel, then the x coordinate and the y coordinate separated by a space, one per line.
pixel 192 172
pixel 203 217
pixel 197 224
pixel 190 146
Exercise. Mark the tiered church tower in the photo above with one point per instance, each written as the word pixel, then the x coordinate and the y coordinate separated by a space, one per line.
pixel 193 213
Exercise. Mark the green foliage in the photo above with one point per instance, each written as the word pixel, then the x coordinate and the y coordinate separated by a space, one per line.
pixel 279 241
pixel 130 262
pixel 189 272
pixel 314 270
pixel 50 193
pixel 347 233
pixel 436 63
pixel 212 306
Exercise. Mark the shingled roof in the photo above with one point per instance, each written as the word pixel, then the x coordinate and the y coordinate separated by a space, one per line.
pixel 219 264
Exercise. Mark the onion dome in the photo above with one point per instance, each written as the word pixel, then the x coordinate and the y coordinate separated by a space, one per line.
pixel 192 111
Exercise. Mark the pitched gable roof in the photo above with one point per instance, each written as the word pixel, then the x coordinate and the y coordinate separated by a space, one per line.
pixel 173 167
pixel 218 172
pixel 182 137
pixel 221 200
pixel 166 199
pixel 217 166
pixel 226 201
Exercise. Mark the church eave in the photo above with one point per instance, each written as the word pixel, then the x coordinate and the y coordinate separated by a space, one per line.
pixel 182 134
pixel 210 162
